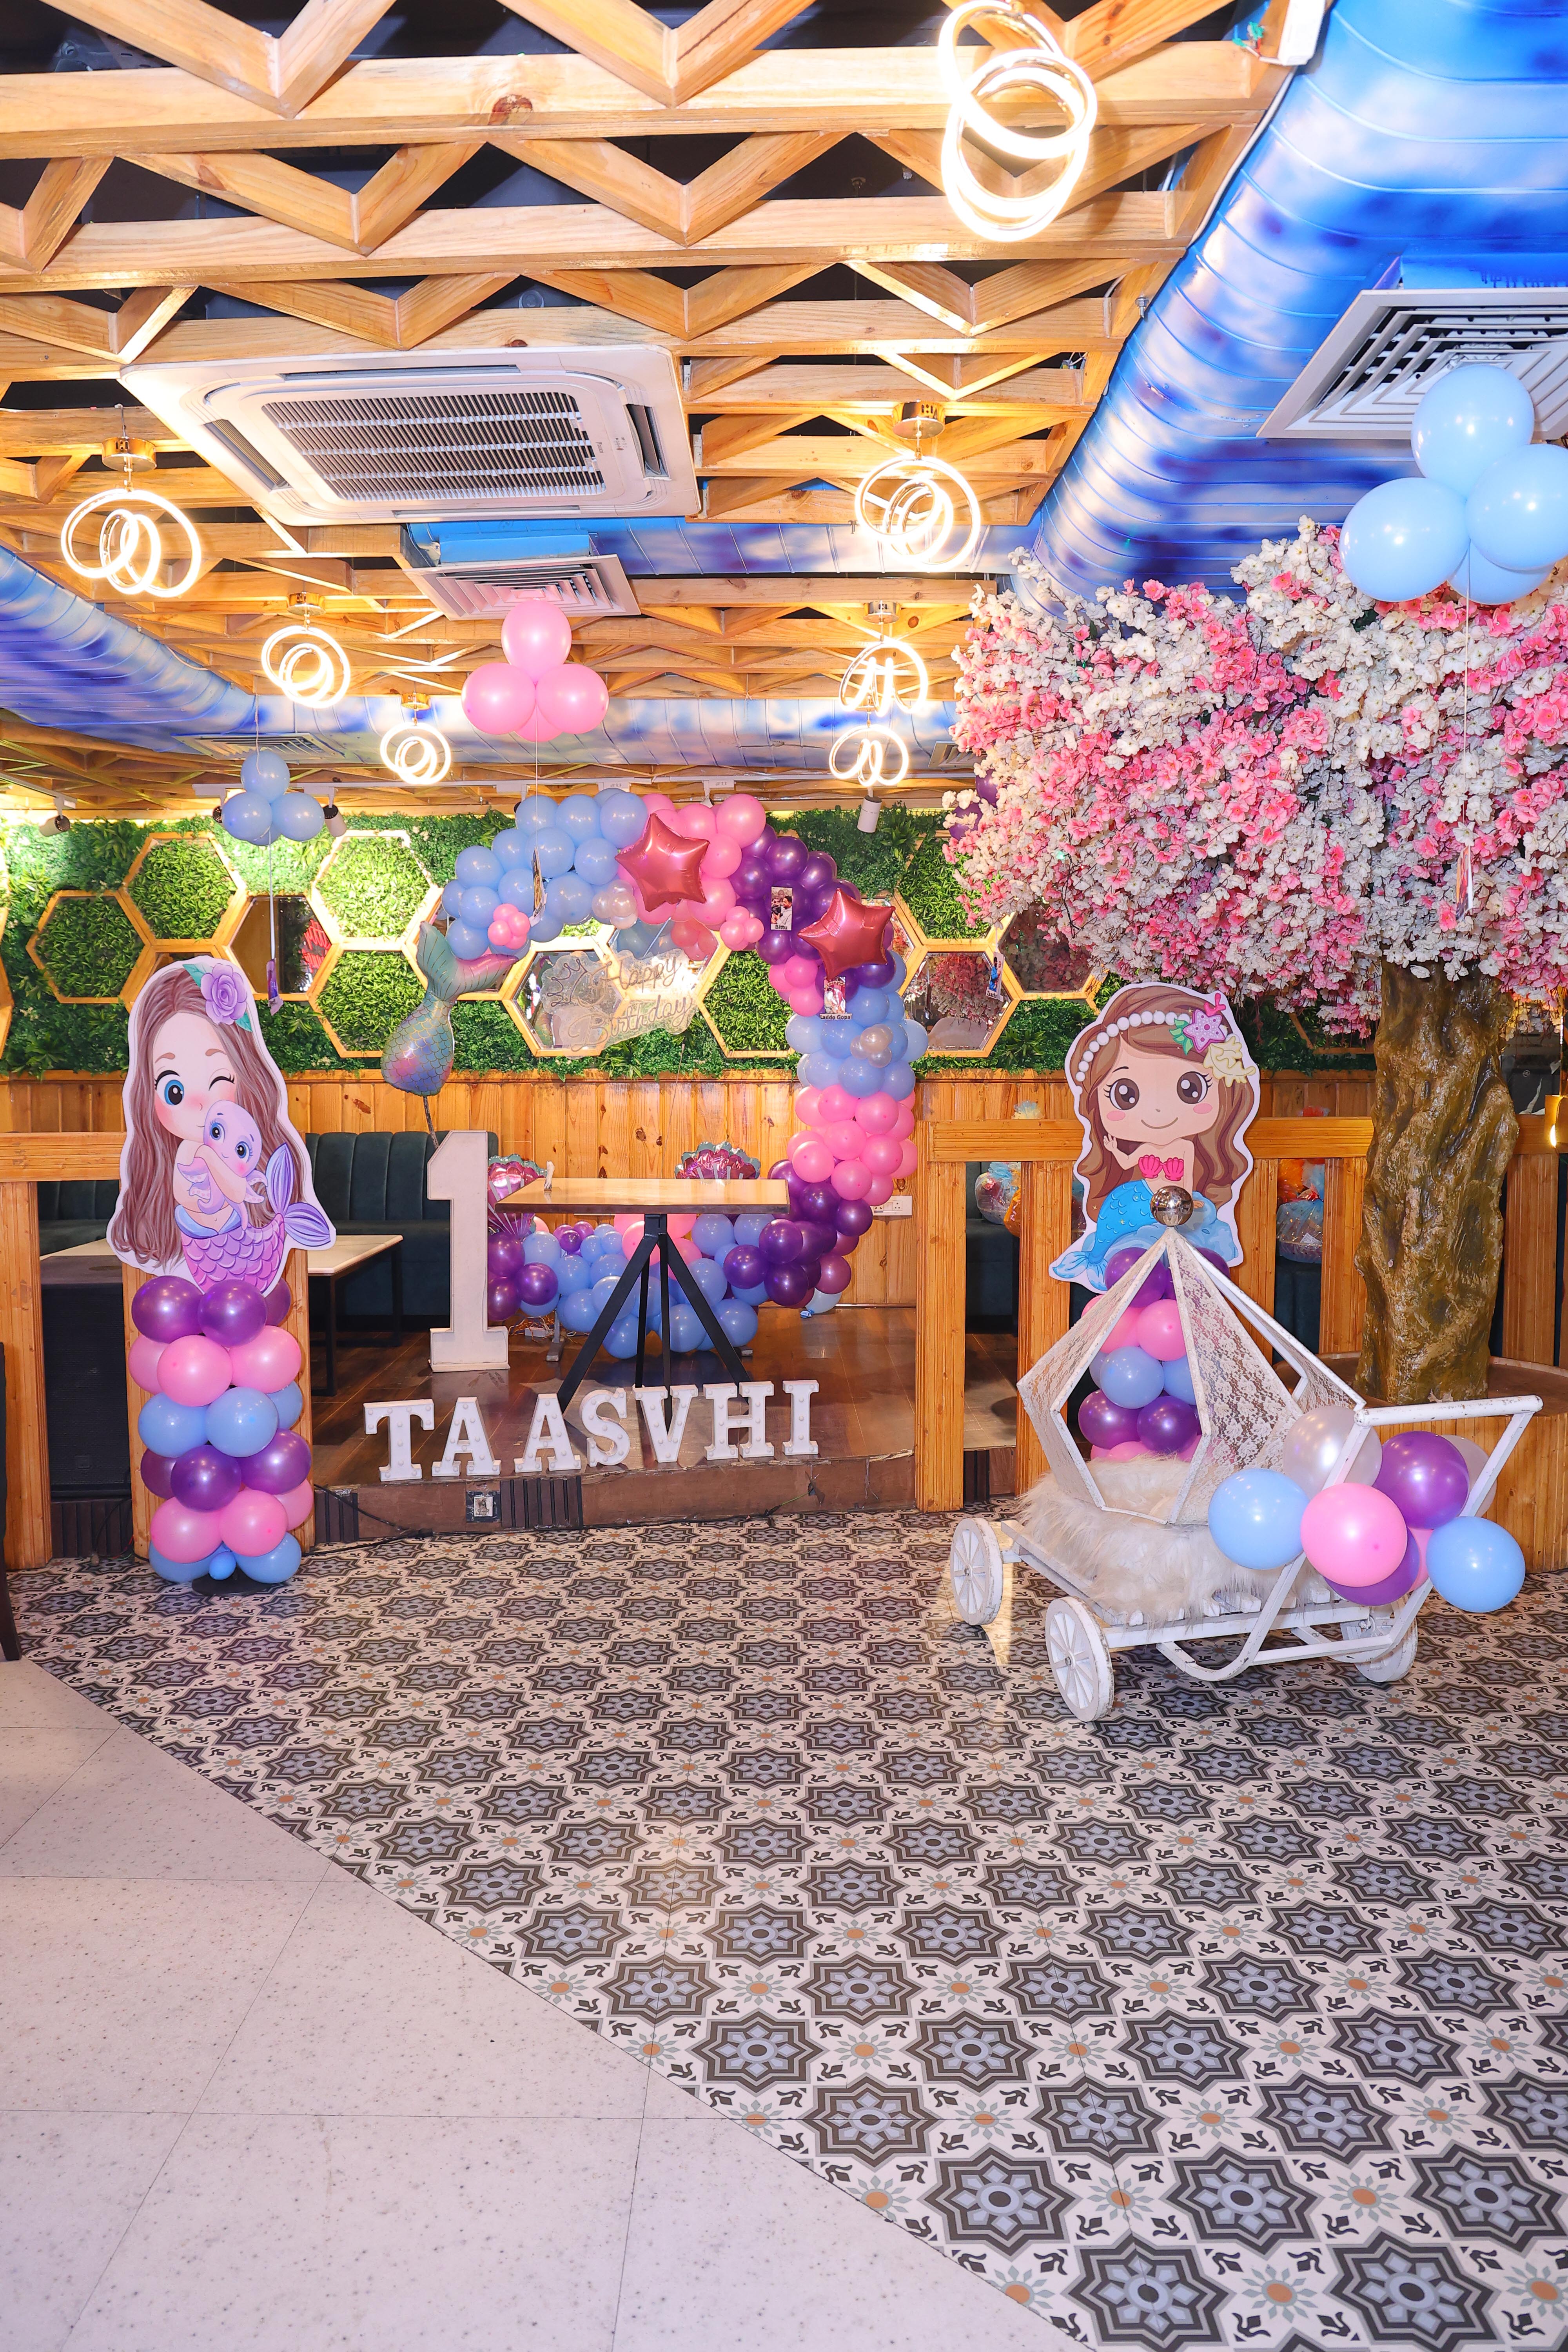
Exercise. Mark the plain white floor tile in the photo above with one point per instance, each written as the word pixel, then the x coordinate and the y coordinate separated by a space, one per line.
pixel 298 2234
pixel 34 1763
pixel 32 1700
pixel 732 2242
pixel 133 1812
pixel 126 1993
pixel 70 2185
pixel 370 2011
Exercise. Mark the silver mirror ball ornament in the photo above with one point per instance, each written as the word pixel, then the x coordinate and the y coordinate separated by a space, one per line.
pixel 1171 1204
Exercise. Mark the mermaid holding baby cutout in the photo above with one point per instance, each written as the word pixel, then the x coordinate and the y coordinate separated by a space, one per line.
pixel 215 1182
pixel 1165 1089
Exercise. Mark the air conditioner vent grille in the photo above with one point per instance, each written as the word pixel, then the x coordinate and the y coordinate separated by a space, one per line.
pixel 1391 346
pixel 443 445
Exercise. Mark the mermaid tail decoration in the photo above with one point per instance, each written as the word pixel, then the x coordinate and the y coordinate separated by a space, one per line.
pixel 240 1252
pixel 419 1056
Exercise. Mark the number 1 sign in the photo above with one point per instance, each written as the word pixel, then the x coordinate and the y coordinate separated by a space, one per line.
pixel 470 1342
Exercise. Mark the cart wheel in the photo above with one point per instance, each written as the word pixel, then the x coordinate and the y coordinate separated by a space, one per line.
pixel 1396 1665
pixel 1080 1660
pixel 975 1567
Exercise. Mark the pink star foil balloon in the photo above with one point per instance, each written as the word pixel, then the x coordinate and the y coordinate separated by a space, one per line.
pixel 666 867
pixel 848 933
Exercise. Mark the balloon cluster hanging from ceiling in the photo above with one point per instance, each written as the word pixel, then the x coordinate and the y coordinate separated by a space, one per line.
pixel 1489 513
pixel 536 693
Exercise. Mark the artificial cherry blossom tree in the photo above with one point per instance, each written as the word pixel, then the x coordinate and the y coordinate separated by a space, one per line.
pixel 1304 795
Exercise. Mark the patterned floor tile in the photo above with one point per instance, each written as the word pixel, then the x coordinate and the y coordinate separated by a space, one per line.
pixel 1239 2018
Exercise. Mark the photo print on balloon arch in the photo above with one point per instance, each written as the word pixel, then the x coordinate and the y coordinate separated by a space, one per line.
pixel 1165 1090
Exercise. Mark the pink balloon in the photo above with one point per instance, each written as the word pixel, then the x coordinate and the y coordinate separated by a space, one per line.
pixel 498 701
pixel 1124 1332
pixel 1353 1535
pixel 802 1138
pixel 844 1139
pixel 882 1154
pixel 535 635
pixel 834 1102
pixel 814 1161
pixel 630 1231
pixel 696 820
pixel 908 1156
pixel 805 1000
pixel 658 804
pixel 1131 1449
pixel 801 972
pixel 776 979
pixel 687 1248
pixel 268 1361
pixel 807 1109
pixel 252 1523
pixel 744 818
pixel 573 697
pixel 905 1122
pixel 1160 1331
pixel 197 1371
pixel 680 1224
pixel 724 856
pixel 878 1190
pixel 298 1504
pixel 143 1360
pixel 536 729
pixel 877 1114
pixel 717 907
pixel 851 1180
pixel 733 930
pixel 185 1535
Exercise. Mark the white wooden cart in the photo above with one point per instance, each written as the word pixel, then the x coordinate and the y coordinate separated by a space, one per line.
pixel 1245 1412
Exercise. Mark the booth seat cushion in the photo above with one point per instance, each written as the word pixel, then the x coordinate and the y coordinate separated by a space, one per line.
pixel 71 1211
pixel 375 1183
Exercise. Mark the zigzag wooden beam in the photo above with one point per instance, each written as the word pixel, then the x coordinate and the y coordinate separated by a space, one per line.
pixel 279 75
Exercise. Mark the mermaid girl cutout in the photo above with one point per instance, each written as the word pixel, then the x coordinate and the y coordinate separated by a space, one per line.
pixel 215 1182
pixel 1164 1090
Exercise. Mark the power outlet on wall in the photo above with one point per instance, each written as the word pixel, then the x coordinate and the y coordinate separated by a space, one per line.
pixel 481 1505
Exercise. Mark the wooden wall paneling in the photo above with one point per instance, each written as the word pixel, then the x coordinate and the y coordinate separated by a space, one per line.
pixel 297 1274
pixel 143 1502
pixel 1344 1293
pixel 1045 1230
pixel 28 1538
pixel 1529 1258
pixel 1256 1210
pixel 939 1335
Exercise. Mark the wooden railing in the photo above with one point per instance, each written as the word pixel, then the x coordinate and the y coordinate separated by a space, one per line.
pixel 25 1161
pixel 1046 1148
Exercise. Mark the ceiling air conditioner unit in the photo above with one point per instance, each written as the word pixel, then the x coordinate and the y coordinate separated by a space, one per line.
pixel 587 587
pixel 1393 342
pixel 433 436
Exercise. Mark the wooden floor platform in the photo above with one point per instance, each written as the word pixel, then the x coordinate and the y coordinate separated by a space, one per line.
pixel 863 1359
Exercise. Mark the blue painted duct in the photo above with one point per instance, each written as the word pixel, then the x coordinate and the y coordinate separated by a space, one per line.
pixel 65 664
pixel 1427 130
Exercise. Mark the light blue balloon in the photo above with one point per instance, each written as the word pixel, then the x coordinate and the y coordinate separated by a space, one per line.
pixel 1178 1379
pixel 452 898
pixel 166 1427
pixel 1132 1377
pixel 686 1333
pixel 247 817
pixel 749 1225
pixel 869 1005
pixel 1489 583
pixel 475 865
pixel 535 815
pixel 516 890
pixel 274 1566
pixel 901 970
pixel 816 1070
pixel 175 1572
pixel 1475 1564
pixel 898 1080
pixel 916 1040
pixel 1403 539
pixel 287 1404
pixel 467 940
pixel 603 1291
pixel 836 1038
pixel 1255 1519
pixel 595 862
pixel 480 903
pixel 863 1079
pixel 544 1249
pixel 221 1564
pixel 554 848
pixel 714 1234
pixel 574 1274
pixel 802 1032
pixel 703 1275
pixel 821 1302
pixel 507 848
pixel 266 772
pixel 241 1421
pixel 621 1338
pixel 570 896
pixel 1470 417
pixel 544 924
pixel 579 813
pixel 738 1322
pixel 297 817
pixel 1518 512
pixel 578 1308
pixel 622 819
pixel 756 1297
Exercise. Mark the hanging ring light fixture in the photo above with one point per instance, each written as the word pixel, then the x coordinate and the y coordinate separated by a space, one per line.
pixel 306 662
pixel 1040 69
pixel 132 529
pixel 870 756
pixel 915 506
pixel 416 755
pixel 873 680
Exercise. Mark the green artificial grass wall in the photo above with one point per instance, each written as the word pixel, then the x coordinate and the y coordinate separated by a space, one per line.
pixel 373 889
pixel 181 890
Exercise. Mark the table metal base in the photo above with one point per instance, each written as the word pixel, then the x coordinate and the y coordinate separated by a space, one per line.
pixel 655 1242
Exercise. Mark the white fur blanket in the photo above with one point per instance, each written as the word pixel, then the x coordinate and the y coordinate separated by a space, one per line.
pixel 1137 1571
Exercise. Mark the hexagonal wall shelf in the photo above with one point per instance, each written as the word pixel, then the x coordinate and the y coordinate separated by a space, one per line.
pixel 962 997
pixel 361 993
pixel 371 890
pixel 92 934
pixel 182 893
pixel 1040 960
pixel 305 953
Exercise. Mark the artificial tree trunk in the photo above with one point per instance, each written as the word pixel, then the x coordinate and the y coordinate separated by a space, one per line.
pixel 1443 1130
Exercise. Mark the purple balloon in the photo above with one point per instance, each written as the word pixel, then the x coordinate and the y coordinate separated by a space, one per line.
pixel 501 1302
pixel 808 1269
pixel 233 1312
pixel 818 875
pixel 872 975
pixel 281 1466
pixel 1424 1476
pixel 775 946
pixel 1403 1580
pixel 987 790
pixel 503 1256
pixel 786 854
pixel 819 1235
pixel 787 1287
pixel 749 879
pixel 780 1172
pixel 156 1472
pixel 819 1201
pixel 780 1241
pixel 204 1480
pixel 1166 1424
pixel 569 1239
pixel 277 1302
pixel 1104 1423
pixel 852 1217
pixel 1217 1262
pixel 745 1267
pixel 167 1309
pixel 537 1285
pixel 1156 1285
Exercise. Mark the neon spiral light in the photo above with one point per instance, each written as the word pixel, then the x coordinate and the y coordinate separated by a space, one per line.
pixel 130 541
pixel 871 680
pixel 914 506
pixel 311 666
pixel 417 755
pixel 870 749
pixel 1043 67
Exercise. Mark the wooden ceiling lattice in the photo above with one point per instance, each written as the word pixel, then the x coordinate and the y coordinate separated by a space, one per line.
pixel 794 376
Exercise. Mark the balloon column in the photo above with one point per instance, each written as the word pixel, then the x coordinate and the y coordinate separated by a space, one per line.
pixel 1489 513
pixel 218 1426
pixel 536 694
